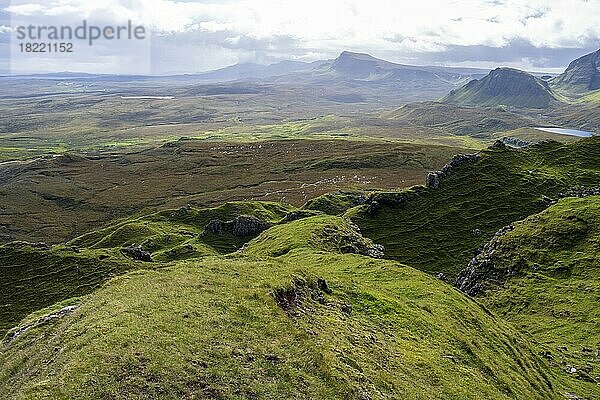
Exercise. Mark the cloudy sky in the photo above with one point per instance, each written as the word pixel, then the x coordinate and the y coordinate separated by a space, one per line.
pixel 192 36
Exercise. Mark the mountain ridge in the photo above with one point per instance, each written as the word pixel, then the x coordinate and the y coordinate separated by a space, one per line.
pixel 582 75
pixel 516 88
pixel 504 86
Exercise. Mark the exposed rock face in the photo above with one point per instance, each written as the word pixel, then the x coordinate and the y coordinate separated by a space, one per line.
pixel 373 207
pixel 351 241
pixel 136 252
pixel 434 178
pixel 515 142
pixel 481 273
pixel 242 226
pixel 215 226
pixel 303 294
pixel 41 321
pixel 41 246
pixel 300 291
pixel 580 191
pixel 248 226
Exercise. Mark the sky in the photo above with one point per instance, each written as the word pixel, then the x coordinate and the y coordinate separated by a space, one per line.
pixel 187 36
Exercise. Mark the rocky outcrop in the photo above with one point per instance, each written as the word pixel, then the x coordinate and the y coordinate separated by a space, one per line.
pixel 394 199
pixel 481 273
pixel 581 192
pixel 136 252
pixel 12 335
pixel 434 178
pixel 577 191
pixel 515 142
pixel 350 241
pixel 241 226
pixel 303 294
pixel 248 226
pixel 293 297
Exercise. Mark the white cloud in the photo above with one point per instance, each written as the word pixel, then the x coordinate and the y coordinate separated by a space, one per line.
pixel 400 30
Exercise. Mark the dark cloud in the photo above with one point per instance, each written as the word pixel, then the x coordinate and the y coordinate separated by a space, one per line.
pixel 515 51
pixel 234 45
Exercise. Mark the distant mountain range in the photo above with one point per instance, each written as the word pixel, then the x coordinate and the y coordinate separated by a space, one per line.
pixel 252 70
pixel 360 78
pixel 348 66
pixel 359 66
pixel 512 87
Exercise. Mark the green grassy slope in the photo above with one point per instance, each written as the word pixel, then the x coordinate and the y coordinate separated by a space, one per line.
pixel 438 230
pixel 288 313
pixel 317 233
pixel 504 86
pixel 168 229
pixel 346 326
pixel 462 120
pixel 36 276
pixel 32 278
pixel 593 97
pixel 335 203
pixel 581 77
pixel 555 256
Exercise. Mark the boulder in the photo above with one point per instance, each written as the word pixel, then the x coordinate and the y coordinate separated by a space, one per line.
pixel 241 226
pixel 433 180
pixel 245 225
pixel 136 252
pixel 215 226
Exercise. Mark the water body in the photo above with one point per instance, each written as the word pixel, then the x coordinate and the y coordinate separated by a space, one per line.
pixel 565 131
pixel 147 97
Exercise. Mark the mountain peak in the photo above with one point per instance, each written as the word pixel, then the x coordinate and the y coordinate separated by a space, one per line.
pixel 504 86
pixel 356 65
pixel 357 56
pixel 581 74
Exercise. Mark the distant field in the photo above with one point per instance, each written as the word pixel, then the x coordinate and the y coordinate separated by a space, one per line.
pixel 76 155
pixel 54 116
pixel 56 198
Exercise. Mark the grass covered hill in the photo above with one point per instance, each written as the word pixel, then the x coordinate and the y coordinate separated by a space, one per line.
pixel 581 77
pixel 504 86
pixel 543 275
pixel 266 300
pixel 34 276
pixel 438 230
pixel 309 323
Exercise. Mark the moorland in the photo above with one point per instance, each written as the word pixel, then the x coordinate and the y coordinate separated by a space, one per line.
pixel 350 228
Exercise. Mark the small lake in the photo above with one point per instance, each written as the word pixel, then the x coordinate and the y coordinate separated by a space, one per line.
pixel 565 131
